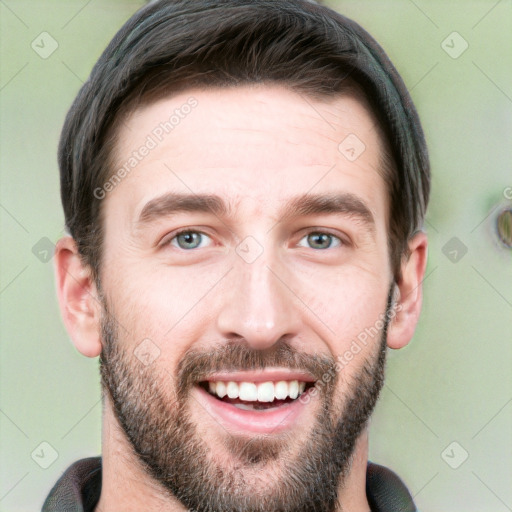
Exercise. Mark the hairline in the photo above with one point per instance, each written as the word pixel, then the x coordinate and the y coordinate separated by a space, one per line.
pixel 135 102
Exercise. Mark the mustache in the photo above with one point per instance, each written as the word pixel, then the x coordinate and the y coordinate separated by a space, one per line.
pixel 197 366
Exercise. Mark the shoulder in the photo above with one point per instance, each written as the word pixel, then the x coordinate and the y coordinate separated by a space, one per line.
pixel 78 489
pixel 386 492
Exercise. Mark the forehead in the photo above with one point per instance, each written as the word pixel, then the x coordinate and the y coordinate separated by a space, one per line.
pixel 257 146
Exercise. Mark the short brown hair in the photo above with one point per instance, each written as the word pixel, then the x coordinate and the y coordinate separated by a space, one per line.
pixel 172 45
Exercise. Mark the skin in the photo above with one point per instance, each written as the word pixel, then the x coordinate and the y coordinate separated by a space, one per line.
pixel 256 147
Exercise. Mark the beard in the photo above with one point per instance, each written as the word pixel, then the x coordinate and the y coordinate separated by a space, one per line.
pixel 264 473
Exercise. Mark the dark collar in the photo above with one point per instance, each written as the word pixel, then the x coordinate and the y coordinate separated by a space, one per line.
pixel 79 489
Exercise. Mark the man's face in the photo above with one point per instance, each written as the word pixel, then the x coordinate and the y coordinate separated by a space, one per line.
pixel 246 248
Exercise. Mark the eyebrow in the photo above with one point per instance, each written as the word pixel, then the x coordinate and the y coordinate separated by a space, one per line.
pixel 344 203
pixel 300 206
pixel 169 204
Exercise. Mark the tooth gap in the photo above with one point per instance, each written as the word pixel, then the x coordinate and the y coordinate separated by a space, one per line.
pixel 206 387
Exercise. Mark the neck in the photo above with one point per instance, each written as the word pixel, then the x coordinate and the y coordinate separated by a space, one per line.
pixel 127 486
pixel 352 495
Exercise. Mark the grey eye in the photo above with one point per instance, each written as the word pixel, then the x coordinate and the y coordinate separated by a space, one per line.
pixel 319 240
pixel 190 240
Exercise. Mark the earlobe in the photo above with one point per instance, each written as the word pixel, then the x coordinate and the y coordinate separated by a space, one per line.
pixel 409 293
pixel 78 298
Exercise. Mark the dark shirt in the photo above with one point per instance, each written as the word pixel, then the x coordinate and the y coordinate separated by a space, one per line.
pixel 79 489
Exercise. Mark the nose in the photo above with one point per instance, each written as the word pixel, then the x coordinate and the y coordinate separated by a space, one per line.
pixel 257 305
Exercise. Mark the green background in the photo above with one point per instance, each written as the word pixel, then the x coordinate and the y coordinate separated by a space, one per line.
pixel 452 384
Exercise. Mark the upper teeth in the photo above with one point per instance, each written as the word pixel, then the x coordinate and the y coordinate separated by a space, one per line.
pixel 254 392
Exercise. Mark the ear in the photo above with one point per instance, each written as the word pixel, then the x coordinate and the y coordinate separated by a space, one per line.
pixel 409 293
pixel 78 298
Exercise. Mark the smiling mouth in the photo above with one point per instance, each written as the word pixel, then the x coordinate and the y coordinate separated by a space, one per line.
pixel 257 396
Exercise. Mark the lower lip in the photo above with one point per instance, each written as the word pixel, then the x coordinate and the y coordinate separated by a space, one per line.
pixel 265 421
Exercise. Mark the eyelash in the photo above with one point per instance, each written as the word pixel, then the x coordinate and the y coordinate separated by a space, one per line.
pixel 185 232
pixel 333 238
pixel 324 233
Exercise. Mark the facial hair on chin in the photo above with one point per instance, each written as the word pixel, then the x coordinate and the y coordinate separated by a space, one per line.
pixel 165 440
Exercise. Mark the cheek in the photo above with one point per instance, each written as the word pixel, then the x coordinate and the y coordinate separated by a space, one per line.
pixel 347 310
pixel 347 300
pixel 168 306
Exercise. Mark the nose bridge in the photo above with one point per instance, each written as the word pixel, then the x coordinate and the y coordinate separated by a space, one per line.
pixel 257 306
